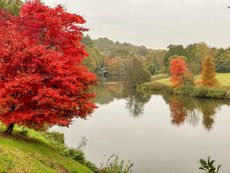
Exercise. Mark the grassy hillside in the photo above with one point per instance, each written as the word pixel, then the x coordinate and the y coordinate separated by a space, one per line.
pixel 223 79
pixel 34 154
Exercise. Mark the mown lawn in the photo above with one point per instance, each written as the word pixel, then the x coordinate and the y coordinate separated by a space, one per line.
pixel 223 79
pixel 34 154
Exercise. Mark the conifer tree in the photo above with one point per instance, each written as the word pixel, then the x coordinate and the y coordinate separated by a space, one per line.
pixel 208 76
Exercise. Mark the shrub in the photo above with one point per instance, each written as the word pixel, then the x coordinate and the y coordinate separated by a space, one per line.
pixel 208 166
pixel 56 140
pixel 186 90
pixel 91 166
pixel 79 156
pixel 24 131
pixel 56 136
pixel 113 165
pixel 155 87
pixel 206 92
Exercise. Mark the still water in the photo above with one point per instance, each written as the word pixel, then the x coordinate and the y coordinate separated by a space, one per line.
pixel 159 134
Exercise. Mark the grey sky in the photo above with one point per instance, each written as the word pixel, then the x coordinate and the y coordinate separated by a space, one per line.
pixel 155 23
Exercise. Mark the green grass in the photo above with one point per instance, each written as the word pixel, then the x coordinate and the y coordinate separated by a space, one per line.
pixel 165 81
pixel 34 154
pixel 223 79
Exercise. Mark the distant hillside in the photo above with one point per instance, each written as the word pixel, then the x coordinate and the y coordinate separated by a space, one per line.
pixel 115 55
pixel 104 52
pixel 111 48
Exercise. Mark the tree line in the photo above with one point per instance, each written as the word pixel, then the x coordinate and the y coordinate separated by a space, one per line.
pixel 115 56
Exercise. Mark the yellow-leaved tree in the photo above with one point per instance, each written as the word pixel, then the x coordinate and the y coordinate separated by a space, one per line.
pixel 208 76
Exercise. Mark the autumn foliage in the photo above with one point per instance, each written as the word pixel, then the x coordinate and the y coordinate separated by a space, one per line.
pixel 42 79
pixel 180 74
pixel 208 76
pixel 178 111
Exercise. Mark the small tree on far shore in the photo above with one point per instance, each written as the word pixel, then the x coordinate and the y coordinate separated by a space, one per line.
pixel 208 76
pixel 180 74
pixel 135 74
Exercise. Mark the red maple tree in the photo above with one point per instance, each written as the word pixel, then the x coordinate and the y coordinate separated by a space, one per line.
pixel 42 79
pixel 179 71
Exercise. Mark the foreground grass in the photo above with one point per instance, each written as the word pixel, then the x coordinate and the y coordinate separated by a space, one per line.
pixel 34 154
pixel 223 79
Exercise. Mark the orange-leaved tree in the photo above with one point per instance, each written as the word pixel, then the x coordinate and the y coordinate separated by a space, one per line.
pixel 208 76
pixel 180 74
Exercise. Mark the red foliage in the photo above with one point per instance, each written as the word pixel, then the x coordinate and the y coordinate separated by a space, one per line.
pixel 178 70
pixel 42 79
pixel 53 28
pixel 178 111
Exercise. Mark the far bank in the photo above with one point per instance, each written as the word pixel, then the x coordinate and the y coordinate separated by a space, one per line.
pixel 163 86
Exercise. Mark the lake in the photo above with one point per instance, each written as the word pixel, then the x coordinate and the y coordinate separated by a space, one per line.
pixel 159 134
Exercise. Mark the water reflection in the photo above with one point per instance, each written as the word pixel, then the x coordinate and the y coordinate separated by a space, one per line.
pixel 135 100
pixel 108 92
pixel 166 130
pixel 182 109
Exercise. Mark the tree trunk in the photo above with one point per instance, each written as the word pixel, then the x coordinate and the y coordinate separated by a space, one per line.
pixel 9 129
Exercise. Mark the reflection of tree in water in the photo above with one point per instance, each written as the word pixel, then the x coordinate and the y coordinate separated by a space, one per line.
pixel 136 101
pixel 192 118
pixel 106 93
pixel 208 109
pixel 184 108
pixel 135 74
pixel 178 111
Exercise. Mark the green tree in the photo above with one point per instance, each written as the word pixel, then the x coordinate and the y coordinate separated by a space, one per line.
pixel 135 74
pixel 195 53
pixel 116 66
pixel 154 61
pixel 87 41
pixel 95 60
pixel 173 50
pixel 104 45
pixel 222 61
pixel 13 6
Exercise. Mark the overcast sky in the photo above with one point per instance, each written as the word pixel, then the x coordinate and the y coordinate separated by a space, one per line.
pixel 155 23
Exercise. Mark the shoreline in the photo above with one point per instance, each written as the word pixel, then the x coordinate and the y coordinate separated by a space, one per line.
pixel 189 91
